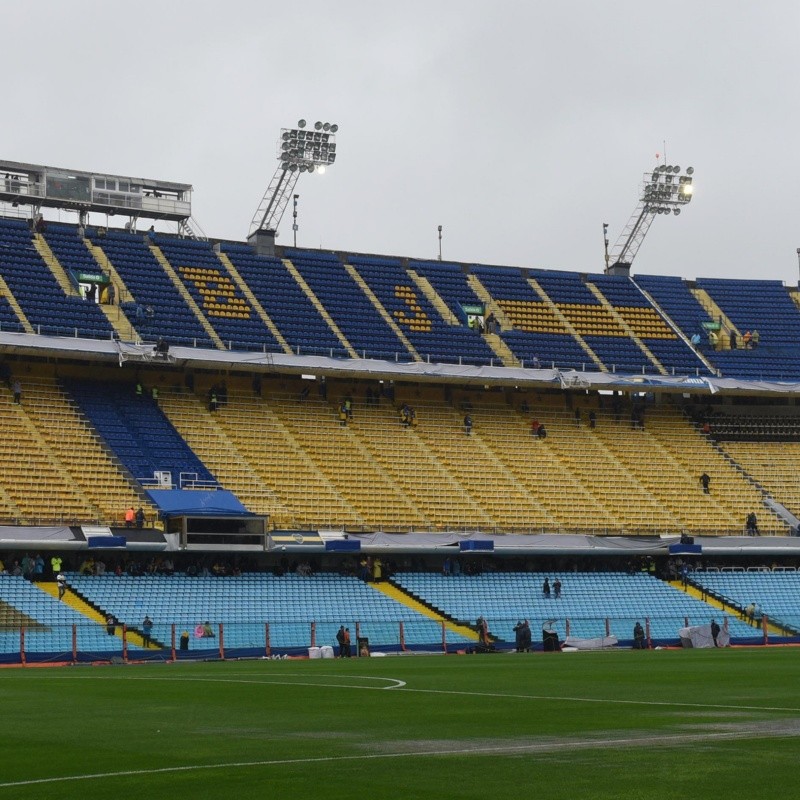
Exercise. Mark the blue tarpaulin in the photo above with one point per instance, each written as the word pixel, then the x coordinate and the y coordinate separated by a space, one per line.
pixel 197 503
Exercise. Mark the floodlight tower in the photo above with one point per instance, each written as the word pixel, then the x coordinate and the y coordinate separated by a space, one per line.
pixel 299 150
pixel 666 190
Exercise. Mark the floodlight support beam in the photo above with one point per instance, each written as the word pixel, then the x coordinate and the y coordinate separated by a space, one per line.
pixel 632 236
pixel 270 210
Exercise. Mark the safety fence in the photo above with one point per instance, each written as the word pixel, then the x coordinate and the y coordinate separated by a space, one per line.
pixel 77 643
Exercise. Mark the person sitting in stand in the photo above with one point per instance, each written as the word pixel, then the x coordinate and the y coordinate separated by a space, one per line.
pixel 755 339
pixel 747 339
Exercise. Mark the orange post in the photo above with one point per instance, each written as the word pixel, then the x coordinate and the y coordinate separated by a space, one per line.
pixel 221 641
pixel 267 648
pixel 174 654
pixel 402 637
pixel 22 645
pixel 125 643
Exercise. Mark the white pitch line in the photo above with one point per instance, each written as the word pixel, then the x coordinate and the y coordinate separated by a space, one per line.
pixel 396 683
pixel 499 749
pixel 401 686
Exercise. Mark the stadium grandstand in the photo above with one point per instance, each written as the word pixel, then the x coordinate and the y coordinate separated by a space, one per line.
pixel 255 444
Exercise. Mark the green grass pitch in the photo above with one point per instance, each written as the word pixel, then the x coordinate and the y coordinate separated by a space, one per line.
pixel 656 724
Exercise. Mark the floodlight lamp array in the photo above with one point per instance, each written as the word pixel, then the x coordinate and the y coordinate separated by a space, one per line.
pixel 301 150
pixel 665 190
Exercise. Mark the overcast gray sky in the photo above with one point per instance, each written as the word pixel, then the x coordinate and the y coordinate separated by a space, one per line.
pixel 519 126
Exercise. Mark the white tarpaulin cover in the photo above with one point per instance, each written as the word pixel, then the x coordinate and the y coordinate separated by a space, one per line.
pixel 700 636
pixel 600 643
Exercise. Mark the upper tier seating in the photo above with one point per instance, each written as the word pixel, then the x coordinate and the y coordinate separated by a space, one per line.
pixel 158 310
pixel 764 306
pixel 538 336
pixel 355 316
pixel 450 283
pixel 593 321
pixel 549 318
pixel 629 302
pixel 48 309
pixel 431 336
pixel 279 294
pixel 218 297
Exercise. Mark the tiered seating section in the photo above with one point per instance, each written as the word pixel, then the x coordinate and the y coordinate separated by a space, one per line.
pixel 244 605
pixel 48 625
pixel 774 591
pixel 47 307
pixel 281 447
pixel 373 473
pixel 374 307
pixel 289 603
pixel 587 600
pixel 135 428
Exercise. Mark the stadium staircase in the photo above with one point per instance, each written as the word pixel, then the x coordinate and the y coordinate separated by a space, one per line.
pixel 15 306
pixel 676 328
pixel 379 307
pixel 113 312
pixel 491 306
pixel 534 284
pixel 310 294
pixel 669 480
pixel 772 466
pixel 397 593
pixel 716 313
pixel 501 349
pixel 623 323
pixel 76 601
pixel 184 292
pixel 254 303
pixel 281 462
pixel 568 501
pixel 613 482
pixel 424 285
pixel 728 608
pixel 733 496
pixel 53 264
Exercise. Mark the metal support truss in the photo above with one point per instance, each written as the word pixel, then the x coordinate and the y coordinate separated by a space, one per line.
pixel 270 210
pixel 633 234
